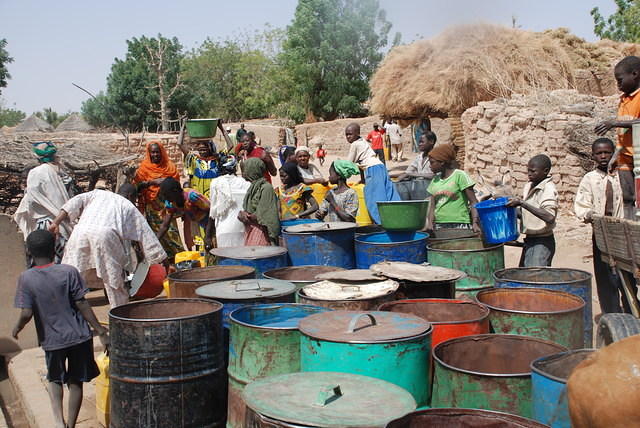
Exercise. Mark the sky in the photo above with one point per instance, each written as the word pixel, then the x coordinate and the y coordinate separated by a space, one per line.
pixel 57 43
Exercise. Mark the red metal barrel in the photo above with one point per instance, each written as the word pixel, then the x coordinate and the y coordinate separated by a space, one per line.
pixel 463 418
pixel 449 317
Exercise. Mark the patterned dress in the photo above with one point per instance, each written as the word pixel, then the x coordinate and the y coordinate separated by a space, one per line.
pixel 292 202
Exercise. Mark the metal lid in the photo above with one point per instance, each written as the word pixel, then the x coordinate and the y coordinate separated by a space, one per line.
pixel 259 252
pixel 416 272
pixel 245 289
pixel 320 227
pixel 351 275
pixel 328 399
pixel 363 327
pixel 349 290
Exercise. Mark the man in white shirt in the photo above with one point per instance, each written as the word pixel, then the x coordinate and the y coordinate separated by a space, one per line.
pixel 393 131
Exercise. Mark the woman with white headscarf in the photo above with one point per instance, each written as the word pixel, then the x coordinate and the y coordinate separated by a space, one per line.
pixel 309 172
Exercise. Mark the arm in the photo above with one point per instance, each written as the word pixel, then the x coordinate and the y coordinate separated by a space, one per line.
pixel 210 235
pixel 268 161
pixel 25 316
pixel 430 224
pixel 87 313
pixel 541 213
pixel 227 138
pixel 583 203
pixel 471 197
pixel 342 214
pixel 55 224
pixel 165 225
pixel 605 126
pixel 310 203
pixel 181 144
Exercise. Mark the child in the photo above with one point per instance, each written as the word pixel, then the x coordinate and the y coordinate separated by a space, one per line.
pixel 539 208
pixel 452 197
pixel 294 196
pixel 341 203
pixel 600 193
pixel 627 74
pixel 321 154
pixel 54 294
pixel 376 139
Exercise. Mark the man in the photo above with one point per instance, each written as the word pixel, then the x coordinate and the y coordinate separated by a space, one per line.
pixel 393 131
pixel 376 139
pixel 99 245
pixel 240 133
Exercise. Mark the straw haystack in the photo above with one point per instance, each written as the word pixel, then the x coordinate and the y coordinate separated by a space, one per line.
pixel 74 122
pixel 34 124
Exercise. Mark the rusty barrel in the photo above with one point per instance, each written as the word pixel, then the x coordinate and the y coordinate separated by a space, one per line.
pixel 450 318
pixel 167 364
pixel 488 371
pixel 471 256
pixel 572 281
pixel 265 341
pixel 300 275
pixel 547 314
pixel 463 418
pixel 184 283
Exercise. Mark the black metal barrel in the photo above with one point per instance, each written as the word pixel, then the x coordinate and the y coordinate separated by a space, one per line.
pixel 167 364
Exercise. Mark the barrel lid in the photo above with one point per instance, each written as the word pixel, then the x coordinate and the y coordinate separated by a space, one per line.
pixel 404 271
pixel 328 399
pixel 320 227
pixel 351 275
pixel 350 290
pixel 258 252
pixel 245 289
pixel 363 327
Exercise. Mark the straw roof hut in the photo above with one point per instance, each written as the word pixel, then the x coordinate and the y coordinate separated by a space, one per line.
pixel 74 122
pixel 33 124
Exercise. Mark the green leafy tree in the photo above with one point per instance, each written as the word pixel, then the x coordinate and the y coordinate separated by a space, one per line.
pixel 51 116
pixel 4 60
pixel 10 116
pixel 331 51
pixel 623 25
pixel 94 111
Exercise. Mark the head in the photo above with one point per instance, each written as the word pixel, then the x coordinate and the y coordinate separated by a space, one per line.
pixel 252 136
pixel 538 168
pixel 352 132
pixel 171 191
pixel 341 170
pixel 441 157
pixel 228 165
pixel 41 244
pixel 228 129
pixel 319 145
pixel 45 151
pixel 289 174
pixel 627 74
pixel 427 141
pixel 601 152
pixel 303 156
pixel 155 153
pixel 242 126
pixel 206 148
pixel 376 126
pixel 289 155
pixel 128 191
pixel 246 142
pixel 253 169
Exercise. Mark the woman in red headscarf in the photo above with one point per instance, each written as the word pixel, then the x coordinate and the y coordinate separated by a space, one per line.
pixel 155 167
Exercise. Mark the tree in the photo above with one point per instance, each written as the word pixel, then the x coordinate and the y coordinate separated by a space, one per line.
pixel 331 51
pixel 94 110
pixel 52 117
pixel 623 25
pixel 10 116
pixel 4 60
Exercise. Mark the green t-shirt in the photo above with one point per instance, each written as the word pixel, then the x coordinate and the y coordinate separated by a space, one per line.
pixel 451 204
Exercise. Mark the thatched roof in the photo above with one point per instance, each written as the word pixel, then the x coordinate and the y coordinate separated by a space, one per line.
pixel 34 123
pixel 468 64
pixel 74 122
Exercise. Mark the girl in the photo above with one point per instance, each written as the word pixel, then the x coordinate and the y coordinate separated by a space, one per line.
pixel 340 203
pixel 294 196
pixel 260 206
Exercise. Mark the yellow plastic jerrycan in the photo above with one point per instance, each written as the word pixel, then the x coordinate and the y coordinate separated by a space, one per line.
pixel 319 191
pixel 102 390
pixel 190 255
pixel 362 218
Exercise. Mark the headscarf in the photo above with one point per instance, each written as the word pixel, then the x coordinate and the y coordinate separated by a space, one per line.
pixel 291 169
pixel 260 199
pixel 302 149
pixel 150 171
pixel 443 153
pixel 345 169
pixel 45 150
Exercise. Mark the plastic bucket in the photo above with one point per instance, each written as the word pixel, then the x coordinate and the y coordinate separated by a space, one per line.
pixel 202 128
pixel 408 247
pixel 499 222
pixel 403 215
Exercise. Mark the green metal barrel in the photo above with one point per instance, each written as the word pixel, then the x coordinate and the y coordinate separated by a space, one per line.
pixel 471 256
pixel 265 341
pixel 547 314
pixel 487 371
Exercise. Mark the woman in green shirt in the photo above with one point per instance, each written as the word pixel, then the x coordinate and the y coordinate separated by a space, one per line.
pixel 452 197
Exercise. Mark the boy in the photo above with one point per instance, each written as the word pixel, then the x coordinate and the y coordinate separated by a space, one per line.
pixel 54 294
pixel 627 74
pixel 376 139
pixel 321 154
pixel 600 193
pixel 539 208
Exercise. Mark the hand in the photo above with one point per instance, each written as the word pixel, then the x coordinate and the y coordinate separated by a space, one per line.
pixel 54 228
pixel 476 226
pixel 514 202
pixel 605 126
pixel 319 215
pixel 330 198
pixel 15 332
pixel 105 339
pixel 242 216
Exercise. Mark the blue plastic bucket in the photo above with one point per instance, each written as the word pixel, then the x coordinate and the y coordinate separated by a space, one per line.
pixel 499 222
pixel 408 247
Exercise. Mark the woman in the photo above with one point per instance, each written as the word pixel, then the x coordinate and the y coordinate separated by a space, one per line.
pixel 340 203
pixel 260 206
pixel 155 167
pixel 309 172
pixel 248 148
pixel 294 196
pixel 47 191
pixel 452 197
pixel 201 167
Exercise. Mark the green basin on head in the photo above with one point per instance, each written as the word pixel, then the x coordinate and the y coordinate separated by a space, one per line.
pixel 202 128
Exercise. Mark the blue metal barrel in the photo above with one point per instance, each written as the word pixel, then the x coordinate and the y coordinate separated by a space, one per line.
pixel 261 259
pixel 572 281
pixel 549 386
pixel 326 244
pixel 390 246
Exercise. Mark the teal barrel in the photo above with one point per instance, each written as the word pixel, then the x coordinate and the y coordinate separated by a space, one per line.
pixel 471 256
pixel 300 275
pixel 384 345
pixel 487 371
pixel 408 247
pixel 572 281
pixel 463 418
pixel 549 386
pixel 264 341
pixel 324 399
pixel 261 259
pixel 547 314
pixel 327 244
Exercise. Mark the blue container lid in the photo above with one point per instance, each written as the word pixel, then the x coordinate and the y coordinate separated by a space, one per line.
pixel 392 237
pixel 281 316
pixel 249 253
pixel 492 203
pixel 246 289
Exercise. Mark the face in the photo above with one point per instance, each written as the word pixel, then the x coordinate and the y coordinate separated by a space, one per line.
pixel 284 177
pixel 155 154
pixel 375 127
pixel 536 173
pixel 436 165
pixel 350 134
pixel 425 145
pixel 602 154
pixel 333 176
pixel 246 143
pixel 204 150
pixel 627 82
pixel 302 158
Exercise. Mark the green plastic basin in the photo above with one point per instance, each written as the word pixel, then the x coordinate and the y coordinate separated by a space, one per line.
pixel 202 128
pixel 403 215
